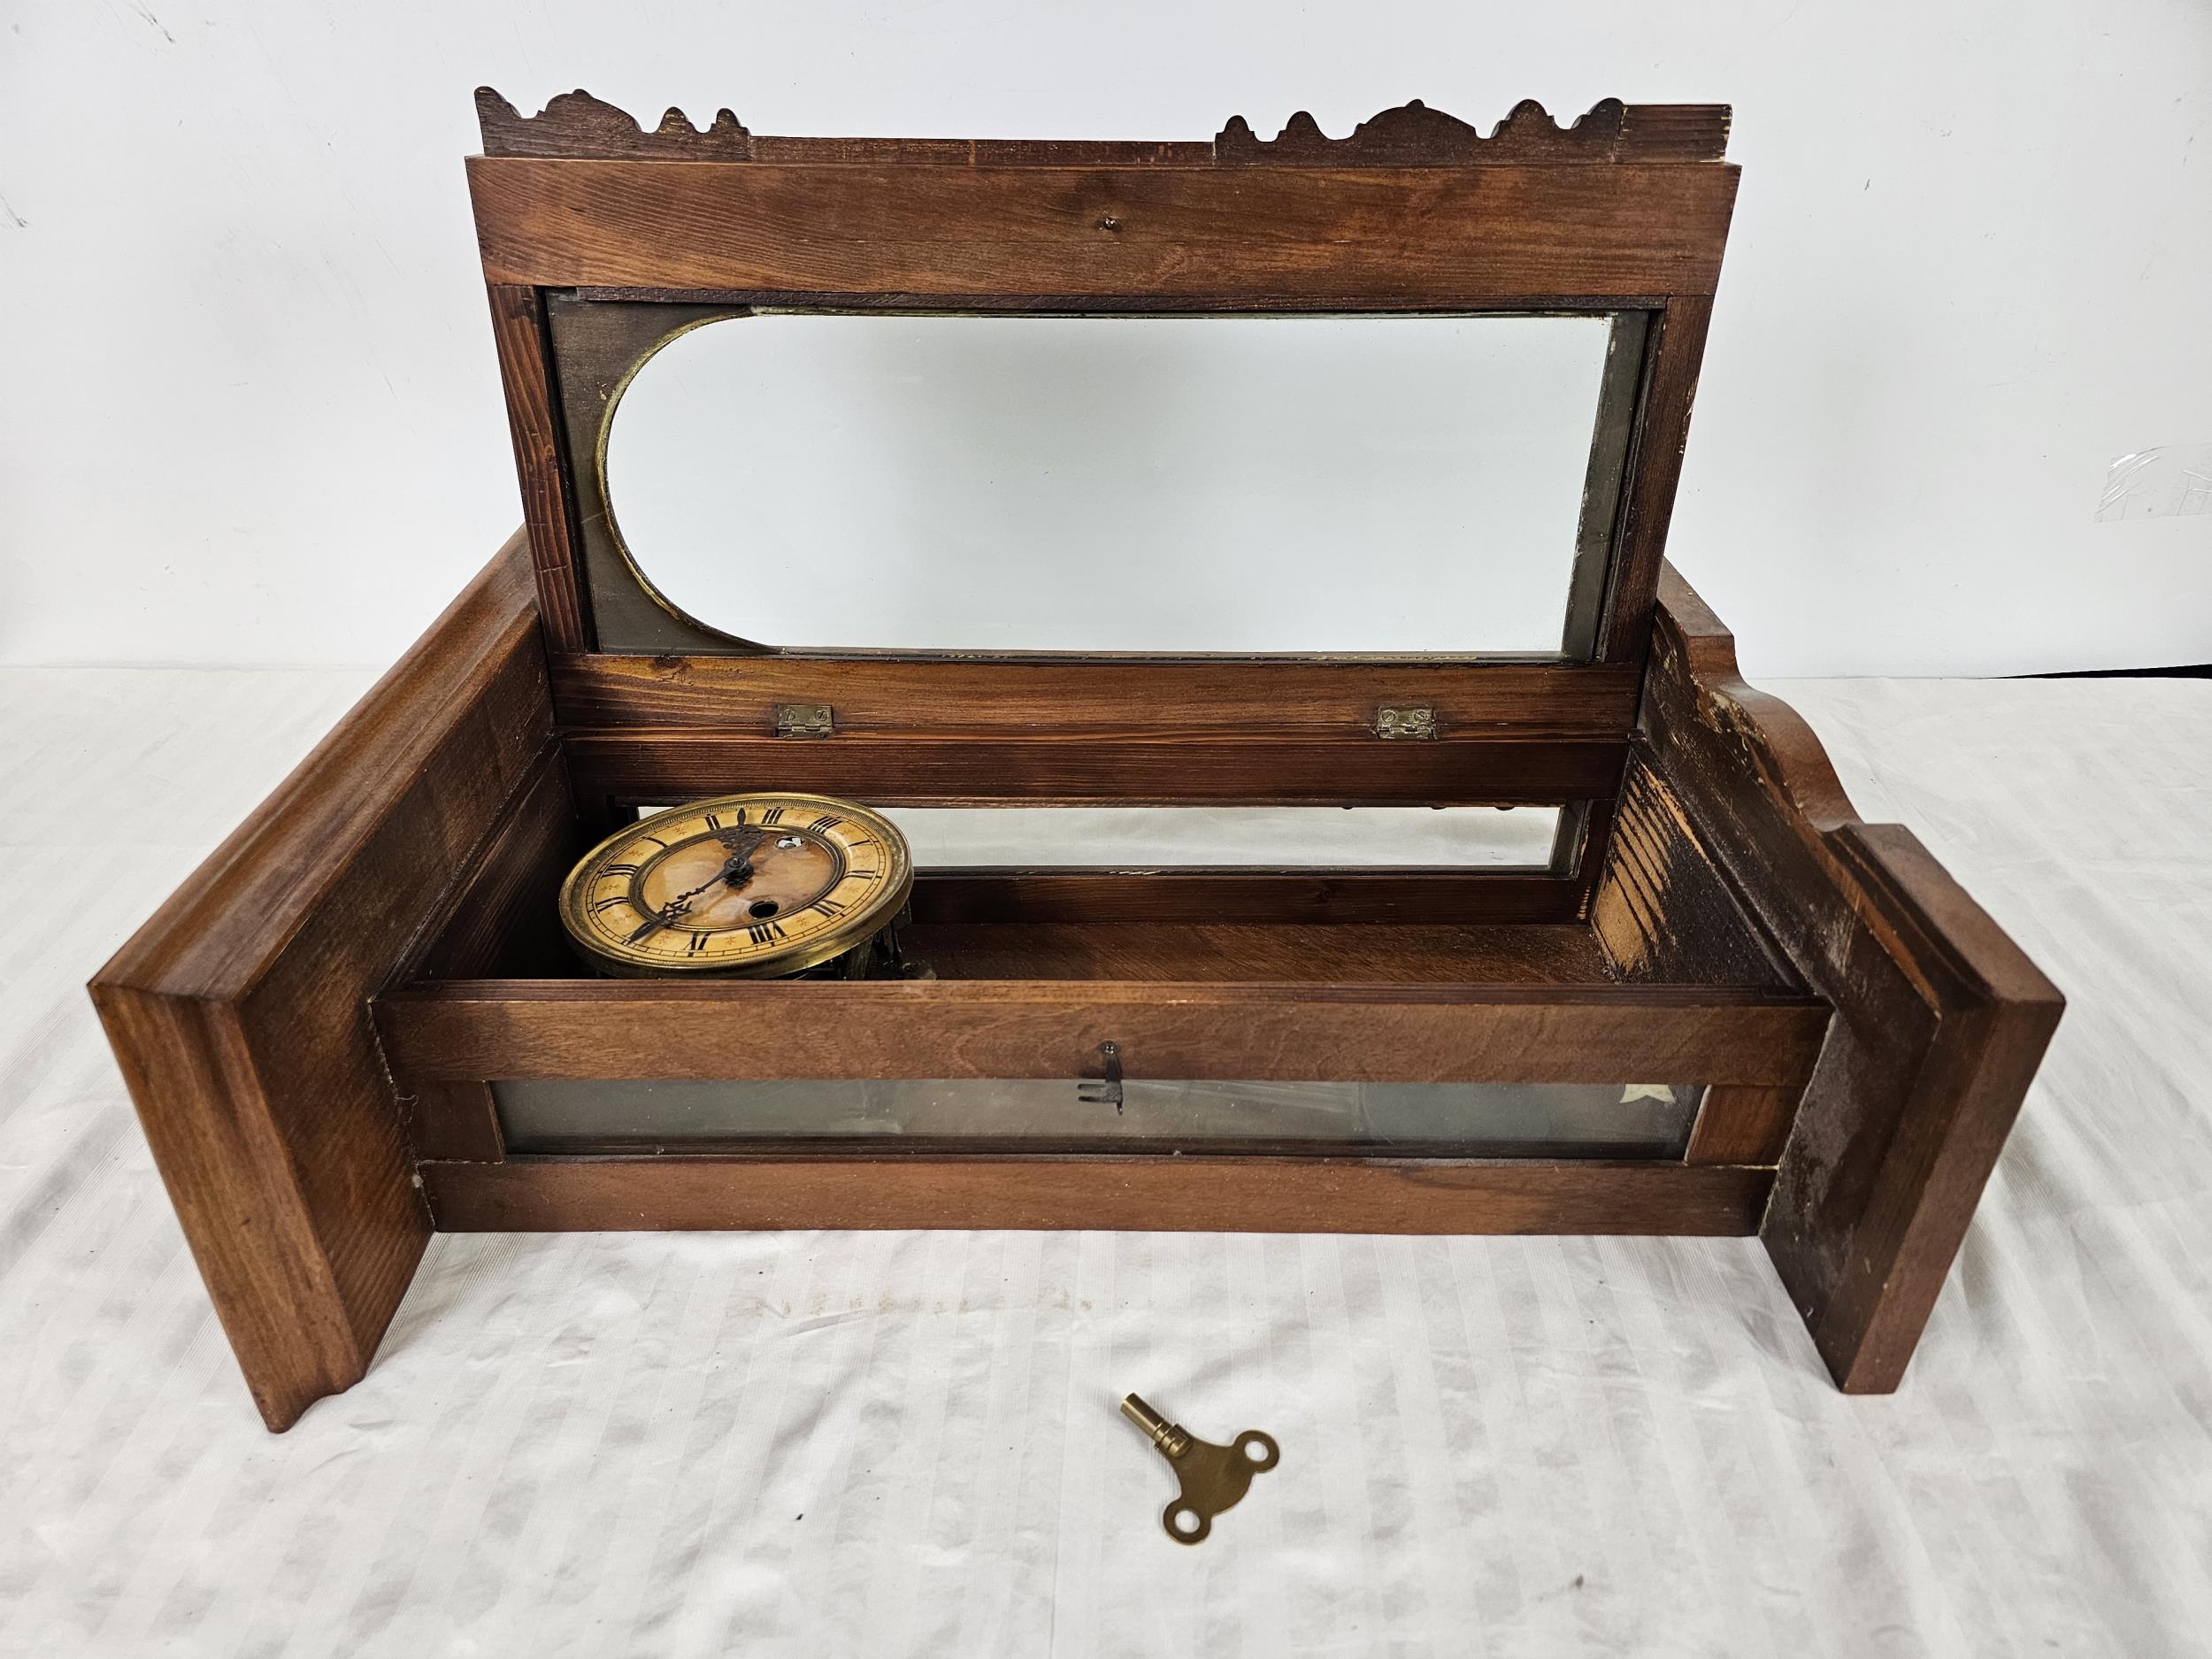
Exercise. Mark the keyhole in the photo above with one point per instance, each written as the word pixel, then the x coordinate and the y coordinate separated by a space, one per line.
pixel 762 909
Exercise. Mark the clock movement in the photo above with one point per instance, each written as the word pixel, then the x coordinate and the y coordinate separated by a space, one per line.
pixel 756 885
pixel 1323 806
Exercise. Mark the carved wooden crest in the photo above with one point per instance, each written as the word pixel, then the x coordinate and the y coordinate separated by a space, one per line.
pixel 577 125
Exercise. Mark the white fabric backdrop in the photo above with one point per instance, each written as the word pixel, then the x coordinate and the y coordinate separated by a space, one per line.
pixel 870 1444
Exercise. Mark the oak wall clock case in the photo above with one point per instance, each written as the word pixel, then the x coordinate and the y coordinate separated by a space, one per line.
pixel 1722 1004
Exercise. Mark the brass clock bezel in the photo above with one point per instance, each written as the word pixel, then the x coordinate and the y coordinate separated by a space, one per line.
pixel 848 934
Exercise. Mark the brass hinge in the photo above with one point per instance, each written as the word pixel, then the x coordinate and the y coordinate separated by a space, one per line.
pixel 1417 721
pixel 805 719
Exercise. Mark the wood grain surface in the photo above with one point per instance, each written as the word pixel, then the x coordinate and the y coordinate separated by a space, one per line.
pixel 576 124
pixel 1664 909
pixel 1675 354
pixel 1742 1125
pixel 502 909
pixel 1320 1032
pixel 1239 952
pixel 239 1012
pixel 1941 1019
pixel 542 465
pixel 652 765
pixel 1218 698
pixel 1190 1193
pixel 1322 236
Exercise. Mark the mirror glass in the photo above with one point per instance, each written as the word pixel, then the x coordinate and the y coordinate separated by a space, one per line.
pixel 1244 485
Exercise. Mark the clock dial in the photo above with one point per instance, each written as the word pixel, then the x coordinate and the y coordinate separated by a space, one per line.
pixel 750 884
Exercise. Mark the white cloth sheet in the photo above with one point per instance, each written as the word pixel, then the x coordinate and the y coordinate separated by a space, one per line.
pixel 906 1443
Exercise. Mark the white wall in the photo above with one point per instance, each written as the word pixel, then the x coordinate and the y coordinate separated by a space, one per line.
pixel 249 411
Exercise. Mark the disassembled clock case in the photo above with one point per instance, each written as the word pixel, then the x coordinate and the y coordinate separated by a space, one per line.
pixel 312 1027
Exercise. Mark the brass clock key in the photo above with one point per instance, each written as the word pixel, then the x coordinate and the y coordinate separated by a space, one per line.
pixel 1214 1478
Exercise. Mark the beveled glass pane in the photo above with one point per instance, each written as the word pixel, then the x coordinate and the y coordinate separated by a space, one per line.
pixel 1466 1119
pixel 1160 484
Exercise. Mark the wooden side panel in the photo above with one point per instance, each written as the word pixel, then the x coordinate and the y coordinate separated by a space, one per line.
pixel 1313 234
pixel 456 1121
pixel 498 1029
pixel 660 765
pixel 1191 1192
pixel 1941 1019
pixel 238 1013
pixel 504 911
pixel 533 422
pixel 891 695
pixel 1654 468
pixel 1741 1125
pixel 1664 910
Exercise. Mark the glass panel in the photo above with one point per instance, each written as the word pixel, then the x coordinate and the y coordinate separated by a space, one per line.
pixel 1465 1120
pixel 1253 484
pixel 1168 837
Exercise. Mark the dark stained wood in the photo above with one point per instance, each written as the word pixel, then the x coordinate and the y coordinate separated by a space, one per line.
pixel 662 765
pixel 1604 481
pixel 1322 1032
pixel 577 125
pixel 1326 236
pixel 1664 910
pixel 1414 135
pixel 503 912
pixel 1101 695
pixel 239 1012
pixel 596 347
pixel 1191 1192
pixel 1673 357
pixel 1741 1125
pixel 729 301
pixel 1236 952
pixel 315 1018
pixel 1941 1019
pixel 455 1121
pixel 1309 898
pixel 533 422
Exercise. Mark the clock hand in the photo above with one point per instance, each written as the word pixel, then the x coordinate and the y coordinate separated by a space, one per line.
pixel 667 916
pixel 740 842
pixel 736 872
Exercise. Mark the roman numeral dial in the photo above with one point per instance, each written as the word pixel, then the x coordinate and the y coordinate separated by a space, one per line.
pixel 755 886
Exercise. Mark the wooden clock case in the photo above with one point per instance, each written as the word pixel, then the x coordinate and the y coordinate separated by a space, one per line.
pixel 311 1027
